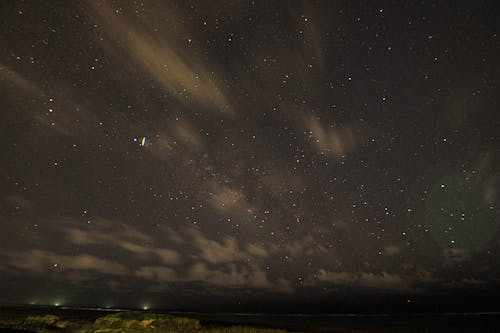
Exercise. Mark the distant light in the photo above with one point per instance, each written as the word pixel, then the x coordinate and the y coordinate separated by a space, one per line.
pixel 145 307
pixel 143 141
pixel 57 303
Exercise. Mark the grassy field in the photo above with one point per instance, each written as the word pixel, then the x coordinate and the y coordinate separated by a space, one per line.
pixel 123 322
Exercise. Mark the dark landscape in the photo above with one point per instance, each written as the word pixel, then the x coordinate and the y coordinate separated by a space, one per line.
pixel 73 320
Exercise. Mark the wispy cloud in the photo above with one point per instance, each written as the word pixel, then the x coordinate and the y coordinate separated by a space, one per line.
pixel 11 78
pixel 42 261
pixel 382 280
pixel 331 141
pixel 178 68
pixel 110 233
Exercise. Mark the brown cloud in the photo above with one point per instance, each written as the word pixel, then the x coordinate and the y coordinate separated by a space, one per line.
pixel 176 136
pixel 157 273
pixel 306 21
pixel 69 118
pixel 456 254
pixel 214 252
pixel 225 197
pixel 383 280
pixel 10 77
pixel 304 247
pixel 257 250
pixel 371 280
pixel 18 202
pixel 234 276
pixel 229 200
pixel 332 141
pixel 41 261
pixel 174 64
pixel 122 236
pixel 391 250
pixel 337 277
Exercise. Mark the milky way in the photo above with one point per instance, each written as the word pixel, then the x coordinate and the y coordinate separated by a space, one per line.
pixel 164 155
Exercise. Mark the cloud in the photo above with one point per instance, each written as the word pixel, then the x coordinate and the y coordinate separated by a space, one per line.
pixel 179 135
pixel 337 277
pixel 110 233
pixel 230 201
pixel 306 20
pixel 391 250
pixel 304 247
pixel 257 250
pixel 370 280
pixel 157 273
pixel 300 247
pixel 241 277
pixel 217 252
pixel 166 255
pixel 176 68
pixel 186 133
pixel 40 261
pixel 224 198
pixel 232 275
pixel 456 254
pixel 66 117
pixel 466 282
pixel 333 142
pixel 425 276
pixel 11 78
pixel 18 202
pixel 224 263
pixel 383 280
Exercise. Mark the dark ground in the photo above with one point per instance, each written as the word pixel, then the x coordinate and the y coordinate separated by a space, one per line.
pixel 391 323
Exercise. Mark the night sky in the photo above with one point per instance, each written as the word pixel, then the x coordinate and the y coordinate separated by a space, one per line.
pixel 242 155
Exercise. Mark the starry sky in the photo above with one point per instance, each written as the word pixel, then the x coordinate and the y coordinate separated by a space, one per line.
pixel 242 154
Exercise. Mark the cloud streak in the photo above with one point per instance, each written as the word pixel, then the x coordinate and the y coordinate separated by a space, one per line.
pixel 41 261
pixel 155 51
